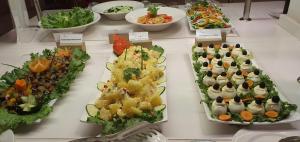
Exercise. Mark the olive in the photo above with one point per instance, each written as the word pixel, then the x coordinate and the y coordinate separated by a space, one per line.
pixel 245 85
pixel 262 85
pixel 228 54
pixel 233 64
pixel 220 63
pixel 237 99
pixel 218 56
pixel 258 101
pixel 209 74
pixel 275 99
pixel 211 45
pixel 238 72
pixel 256 72
pixel 204 55
pixel 229 85
pixel 237 45
pixel 205 64
pixel 223 74
pixel 199 44
pixel 216 86
pixel 248 62
pixel 225 45
pixel 219 99
pixel 244 52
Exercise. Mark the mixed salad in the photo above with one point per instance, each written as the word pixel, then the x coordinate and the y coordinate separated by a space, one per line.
pixel 25 92
pixel 133 92
pixel 119 9
pixel 234 88
pixel 65 19
pixel 206 15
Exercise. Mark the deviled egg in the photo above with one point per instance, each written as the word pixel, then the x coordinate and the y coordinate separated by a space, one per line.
pixel 224 49
pixel 260 91
pixel 238 78
pixel 233 68
pixel 199 48
pixel 214 91
pixel 203 58
pixel 204 67
pixel 211 49
pixel 254 76
pixel 236 105
pixel 243 89
pixel 208 79
pixel 228 91
pixel 227 58
pixel 243 57
pixel 218 106
pixel 236 51
pixel 222 79
pixel 273 104
pixel 246 66
pixel 215 60
pixel 218 68
pixel 256 107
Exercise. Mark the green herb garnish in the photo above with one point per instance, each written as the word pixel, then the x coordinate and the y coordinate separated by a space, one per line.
pixel 153 10
pixel 129 72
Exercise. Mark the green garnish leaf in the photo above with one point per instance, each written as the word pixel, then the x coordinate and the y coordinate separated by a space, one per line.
pixel 158 49
pixel 153 10
pixel 129 72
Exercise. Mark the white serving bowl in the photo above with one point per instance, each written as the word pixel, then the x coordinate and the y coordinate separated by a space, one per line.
pixel 101 7
pixel 78 29
pixel 177 15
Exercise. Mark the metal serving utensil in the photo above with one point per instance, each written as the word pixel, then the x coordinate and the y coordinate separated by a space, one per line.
pixel 135 133
pixel 298 79
pixel 291 139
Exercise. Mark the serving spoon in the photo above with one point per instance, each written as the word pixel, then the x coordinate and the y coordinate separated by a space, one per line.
pixel 291 138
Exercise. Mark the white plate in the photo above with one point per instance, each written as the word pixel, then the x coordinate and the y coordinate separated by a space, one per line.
pixel 78 29
pixel 245 135
pixel 107 76
pixel 294 116
pixel 133 16
pixel 226 30
pixel 7 136
pixel 100 8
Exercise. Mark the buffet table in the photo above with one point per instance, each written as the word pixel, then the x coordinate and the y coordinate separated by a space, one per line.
pixel 275 51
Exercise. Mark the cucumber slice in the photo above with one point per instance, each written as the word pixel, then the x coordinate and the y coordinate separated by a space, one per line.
pixel 161 59
pixel 160 90
pixel 100 85
pixel 162 80
pixel 92 110
pixel 109 66
pixel 160 108
pixel 162 67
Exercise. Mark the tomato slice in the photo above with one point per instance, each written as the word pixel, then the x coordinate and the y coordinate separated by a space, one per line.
pixel 120 44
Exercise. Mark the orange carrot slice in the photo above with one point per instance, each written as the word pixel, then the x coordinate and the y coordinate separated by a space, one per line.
pixel 246 115
pixel 226 65
pixel 271 114
pixel 225 117
pixel 20 84
pixel 250 83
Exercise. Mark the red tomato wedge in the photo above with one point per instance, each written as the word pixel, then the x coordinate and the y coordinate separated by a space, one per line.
pixel 120 44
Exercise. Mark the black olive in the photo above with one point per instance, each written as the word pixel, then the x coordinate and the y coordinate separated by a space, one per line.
pixel 218 56
pixel 216 86
pixel 228 54
pixel 233 64
pixel 245 85
pixel 225 45
pixel 223 74
pixel 219 99
pixel 248 61
pixel 258 101
pixel 220 63
pixel 199 44
pixel 256 72
pixel 211 45
pixel 209 74
pixel 204 55
pixel 237 45
pixel 205 64
pixel 262 85
pixel 229 85
pixel 238 72
pixel 237 99
pixel 275 99
pixel 244 52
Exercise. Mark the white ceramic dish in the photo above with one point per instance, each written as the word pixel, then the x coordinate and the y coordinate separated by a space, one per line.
pixel 78 29
pixel 7 136
pixel 177 15
pixel 100 8
pixel 226 30
pixel 245 135
pixel 294 116
pixel 107 76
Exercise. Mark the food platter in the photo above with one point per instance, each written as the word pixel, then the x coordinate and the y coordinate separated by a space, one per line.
pixel 285 112
pixel 207 15
pixel 107 76
pixel 29 92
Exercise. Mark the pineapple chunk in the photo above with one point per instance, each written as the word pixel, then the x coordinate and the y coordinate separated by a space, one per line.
pixel 136 111
pixel 105 114
pixel 101 103
pixel 114 108
pixel 120 113
pixel 155 100
pixel 145 105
